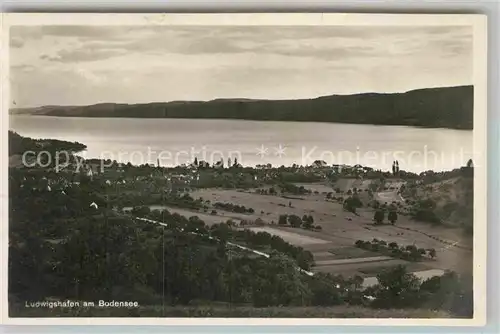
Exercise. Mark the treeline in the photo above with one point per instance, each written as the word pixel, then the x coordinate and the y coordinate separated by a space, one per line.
pixel 306 222
pixel 233 207
pixel 409 252
pixel 19 145
pixel 291 188
pixel 397 288
pixel 422 107
pixel 174 199
pixel 224 232
pixel 380 210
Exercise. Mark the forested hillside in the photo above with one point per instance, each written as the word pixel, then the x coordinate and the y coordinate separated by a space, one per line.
pixel 447 107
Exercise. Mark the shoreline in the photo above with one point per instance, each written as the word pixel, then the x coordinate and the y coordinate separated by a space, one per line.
pixel 247 120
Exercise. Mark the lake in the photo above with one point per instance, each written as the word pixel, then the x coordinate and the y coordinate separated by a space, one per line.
pixel 178 141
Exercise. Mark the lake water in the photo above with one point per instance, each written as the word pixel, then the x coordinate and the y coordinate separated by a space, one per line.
pixel 177 141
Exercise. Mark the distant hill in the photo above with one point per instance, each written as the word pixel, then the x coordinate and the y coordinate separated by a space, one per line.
pixel 446 107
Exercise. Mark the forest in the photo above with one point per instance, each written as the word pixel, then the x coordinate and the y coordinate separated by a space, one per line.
pixel 445 107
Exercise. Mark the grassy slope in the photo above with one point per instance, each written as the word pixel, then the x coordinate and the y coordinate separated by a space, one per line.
pixel 453 198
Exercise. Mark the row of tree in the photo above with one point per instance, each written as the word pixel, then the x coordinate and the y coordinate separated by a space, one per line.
pixel 379 217
pixel 409 252
pixel 233 207
pixel 306 222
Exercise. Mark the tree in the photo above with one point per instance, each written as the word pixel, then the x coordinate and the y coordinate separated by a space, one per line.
pixel 307 224
pixel 428 204
pixel 411 248
pixel 307 221
pixel 393 217
pixel 379 217
pixel 449 292
pixel 393 245
pixel 432 252
pixel 294 220
pixel 282 220
pixel 324 292
pixel 397 288
pixel 356 202
pixel 278 282
pixel 349 205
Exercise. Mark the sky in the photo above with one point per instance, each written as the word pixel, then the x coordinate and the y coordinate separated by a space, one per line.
pixel 82 65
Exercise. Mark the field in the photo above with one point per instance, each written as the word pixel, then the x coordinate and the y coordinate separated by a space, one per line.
pixel 340 229
pixel 333 247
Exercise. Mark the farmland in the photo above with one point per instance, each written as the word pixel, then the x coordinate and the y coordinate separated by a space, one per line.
pixel 333 246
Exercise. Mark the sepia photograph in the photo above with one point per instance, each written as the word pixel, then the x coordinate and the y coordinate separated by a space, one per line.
pixel 244 166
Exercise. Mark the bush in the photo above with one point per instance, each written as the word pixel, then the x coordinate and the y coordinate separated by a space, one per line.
pixel 379 216
pixel 367 245
pixel 393 245
pixel 425 215
pixel 282 220
pixel 411 248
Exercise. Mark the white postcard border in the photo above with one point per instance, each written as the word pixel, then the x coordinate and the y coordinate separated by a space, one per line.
pixel 479 24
